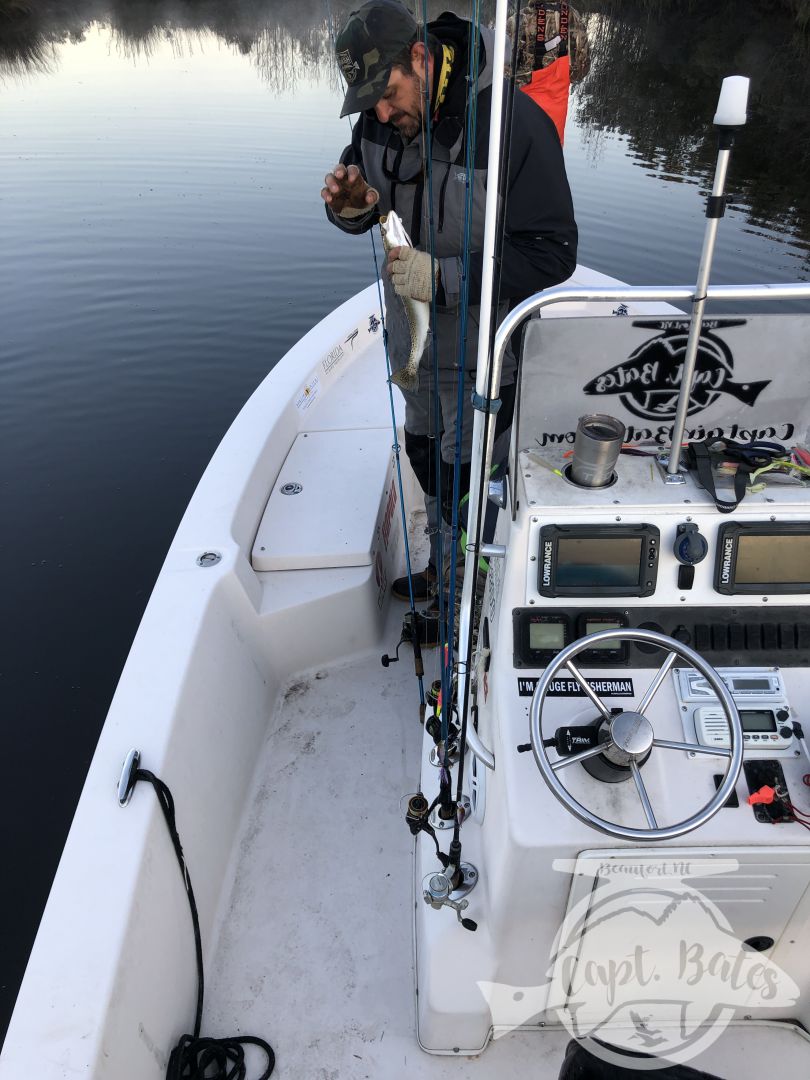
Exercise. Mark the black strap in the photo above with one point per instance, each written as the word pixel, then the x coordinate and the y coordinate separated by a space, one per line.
pixel 703 465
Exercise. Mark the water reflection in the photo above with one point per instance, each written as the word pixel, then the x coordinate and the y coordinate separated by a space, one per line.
pixel 289 40
pixel 655 77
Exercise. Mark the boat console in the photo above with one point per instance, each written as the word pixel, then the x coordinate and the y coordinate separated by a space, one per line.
pixel 639 785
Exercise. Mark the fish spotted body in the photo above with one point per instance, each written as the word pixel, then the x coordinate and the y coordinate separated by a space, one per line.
pixel 407 320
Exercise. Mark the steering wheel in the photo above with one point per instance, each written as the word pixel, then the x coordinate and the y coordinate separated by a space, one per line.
pixel 631 736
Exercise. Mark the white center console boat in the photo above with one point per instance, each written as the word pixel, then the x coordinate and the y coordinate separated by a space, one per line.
pixel 610 800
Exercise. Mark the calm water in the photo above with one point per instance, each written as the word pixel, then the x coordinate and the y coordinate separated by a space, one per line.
pixel 163 244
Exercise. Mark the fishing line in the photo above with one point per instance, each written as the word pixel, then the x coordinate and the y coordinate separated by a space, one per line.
pixel 417 648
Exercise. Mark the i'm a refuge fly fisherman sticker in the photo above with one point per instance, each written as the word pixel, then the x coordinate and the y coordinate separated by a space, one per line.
pixel 570 687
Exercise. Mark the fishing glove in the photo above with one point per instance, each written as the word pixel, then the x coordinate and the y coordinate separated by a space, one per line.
pixel 350 212
pixel 413 274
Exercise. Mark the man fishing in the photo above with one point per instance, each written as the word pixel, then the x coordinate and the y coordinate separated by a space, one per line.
pixel 389 73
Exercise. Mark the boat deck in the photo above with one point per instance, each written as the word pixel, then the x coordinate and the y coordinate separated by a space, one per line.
pixel 315 944
pixel 315 949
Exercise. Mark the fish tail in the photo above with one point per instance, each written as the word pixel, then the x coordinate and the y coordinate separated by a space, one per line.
pixel 747 393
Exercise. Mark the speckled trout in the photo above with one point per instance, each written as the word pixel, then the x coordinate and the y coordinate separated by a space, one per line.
pixel 407 321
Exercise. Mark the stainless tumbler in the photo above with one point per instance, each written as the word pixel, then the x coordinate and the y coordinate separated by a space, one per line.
pixel 596 450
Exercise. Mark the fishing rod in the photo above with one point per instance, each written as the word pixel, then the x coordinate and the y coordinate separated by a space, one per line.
pixel 471 129
pixel 427 137
pixel 438 887
pixel 490 406
pixel 488 374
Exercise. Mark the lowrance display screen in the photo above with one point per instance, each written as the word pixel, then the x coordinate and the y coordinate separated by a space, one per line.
pixel 772 560
pixel 763 557
pixel 596 562
pixel 546 635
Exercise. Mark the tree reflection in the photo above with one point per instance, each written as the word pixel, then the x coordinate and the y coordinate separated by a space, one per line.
pixel 655 73
pixel 289 40
pixel 655 78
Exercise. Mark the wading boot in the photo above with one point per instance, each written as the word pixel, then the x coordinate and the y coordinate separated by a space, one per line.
pixel 424 585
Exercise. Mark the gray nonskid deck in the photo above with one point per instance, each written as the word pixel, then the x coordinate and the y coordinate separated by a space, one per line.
pixel 315 950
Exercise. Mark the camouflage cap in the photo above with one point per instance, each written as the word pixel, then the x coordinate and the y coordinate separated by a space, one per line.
pixel 366 48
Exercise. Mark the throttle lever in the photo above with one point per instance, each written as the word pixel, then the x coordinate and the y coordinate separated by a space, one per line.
pixel 570 740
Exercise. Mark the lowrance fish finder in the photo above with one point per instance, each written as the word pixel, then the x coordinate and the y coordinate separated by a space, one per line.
pixel 598 560
pixel 763 557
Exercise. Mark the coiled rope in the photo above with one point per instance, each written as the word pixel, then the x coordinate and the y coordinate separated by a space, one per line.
pixel 196 1058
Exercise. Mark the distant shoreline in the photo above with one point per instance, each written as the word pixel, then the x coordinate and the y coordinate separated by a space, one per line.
pixel 799 8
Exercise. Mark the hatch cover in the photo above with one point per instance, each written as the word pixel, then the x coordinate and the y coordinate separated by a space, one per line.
pixel 323 509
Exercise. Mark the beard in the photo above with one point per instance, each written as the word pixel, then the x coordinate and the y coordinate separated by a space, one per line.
pixel 407 126
pixel 409 122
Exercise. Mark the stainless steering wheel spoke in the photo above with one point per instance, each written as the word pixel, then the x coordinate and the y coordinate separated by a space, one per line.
pixel 655 685
pixel 586 686
pixel 692 748
pixel 592 751
pixel 642 794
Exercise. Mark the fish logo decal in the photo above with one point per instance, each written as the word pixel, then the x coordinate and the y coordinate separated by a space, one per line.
pixel 649 381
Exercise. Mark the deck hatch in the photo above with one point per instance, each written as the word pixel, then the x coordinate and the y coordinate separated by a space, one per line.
pixel 340 477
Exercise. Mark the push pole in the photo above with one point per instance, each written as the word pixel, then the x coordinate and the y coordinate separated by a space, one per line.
pixel 730 115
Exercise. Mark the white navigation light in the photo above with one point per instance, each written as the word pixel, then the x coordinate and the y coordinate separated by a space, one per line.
pixel 732 103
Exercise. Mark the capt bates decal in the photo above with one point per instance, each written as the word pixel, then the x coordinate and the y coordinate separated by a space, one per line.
pixel 649 381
